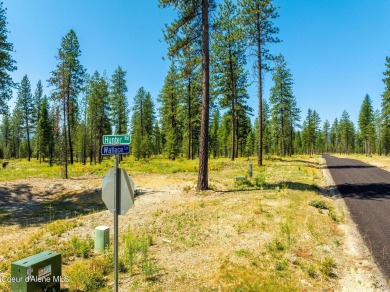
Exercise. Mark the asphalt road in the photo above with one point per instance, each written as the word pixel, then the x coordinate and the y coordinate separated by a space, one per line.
pixel 366 192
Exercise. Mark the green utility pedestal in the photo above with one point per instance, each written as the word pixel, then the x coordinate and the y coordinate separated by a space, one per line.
pixel 40 272
pixel 102 238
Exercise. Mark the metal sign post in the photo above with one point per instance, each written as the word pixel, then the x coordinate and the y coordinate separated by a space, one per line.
pixel 123 197
pixel 116 209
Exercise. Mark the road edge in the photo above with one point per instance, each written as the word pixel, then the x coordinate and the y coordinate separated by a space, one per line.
pixel 359 272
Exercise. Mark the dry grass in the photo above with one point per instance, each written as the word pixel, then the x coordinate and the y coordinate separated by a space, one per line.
pixel 258 236
pixel 376 160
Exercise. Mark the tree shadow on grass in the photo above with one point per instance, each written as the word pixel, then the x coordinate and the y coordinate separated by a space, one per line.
pixel 20 206
pixel 313 164
pixel 290 185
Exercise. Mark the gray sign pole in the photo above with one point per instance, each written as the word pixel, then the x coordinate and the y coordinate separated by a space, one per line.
pixel 116 212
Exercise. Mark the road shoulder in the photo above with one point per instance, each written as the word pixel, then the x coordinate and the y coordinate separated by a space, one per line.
pixel 358 271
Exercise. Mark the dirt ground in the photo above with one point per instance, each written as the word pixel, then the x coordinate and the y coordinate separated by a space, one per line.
pixel 48 199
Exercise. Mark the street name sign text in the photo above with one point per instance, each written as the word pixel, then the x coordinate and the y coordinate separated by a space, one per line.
pixel 116 139
pixel 114 149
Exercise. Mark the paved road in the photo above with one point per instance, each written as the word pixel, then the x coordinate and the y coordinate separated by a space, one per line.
pixel 366 191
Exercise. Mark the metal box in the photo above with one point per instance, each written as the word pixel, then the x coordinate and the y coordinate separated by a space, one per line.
pixel 40 272
pixel 102 238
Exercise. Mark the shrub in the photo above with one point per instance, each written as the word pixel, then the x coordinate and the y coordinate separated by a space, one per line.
pixel 82 277
pixel 327 267
pixel 319 204
pixel 136 253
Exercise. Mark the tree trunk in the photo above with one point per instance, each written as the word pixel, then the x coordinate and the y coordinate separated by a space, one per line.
pixel 237 135
pixel 233 154
pixel 259 94
pixel 65 141
pixel 84 144
pixel 291 139
pixel 203 145
pixel 189 121
pixel 282 125
pixel 69 132
pixel 233 94
pixel 28 141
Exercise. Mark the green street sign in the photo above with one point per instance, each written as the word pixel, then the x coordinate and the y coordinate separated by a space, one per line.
pixel 116 139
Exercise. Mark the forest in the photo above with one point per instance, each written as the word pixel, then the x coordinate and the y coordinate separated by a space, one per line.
pixel 202 110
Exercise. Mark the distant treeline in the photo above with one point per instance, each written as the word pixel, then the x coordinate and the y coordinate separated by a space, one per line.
pixel 67 125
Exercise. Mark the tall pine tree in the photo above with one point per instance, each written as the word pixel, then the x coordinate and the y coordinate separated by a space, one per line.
pixel 118 100
pixel 7 63
pixel 366 124
pixel 142 124
pixel 98 123
pixel 257 18
pixel 68 79
pixel 170 113
pixel 25 105
pixel 284 110
pixel 229 73
pixel 386 109
pixel 43 131
pixel 196 15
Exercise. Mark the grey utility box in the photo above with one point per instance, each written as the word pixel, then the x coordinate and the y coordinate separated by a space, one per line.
pixel 102 238
pixel 40 272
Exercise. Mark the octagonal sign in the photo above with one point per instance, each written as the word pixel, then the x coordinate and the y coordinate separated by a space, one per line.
pixel 126 198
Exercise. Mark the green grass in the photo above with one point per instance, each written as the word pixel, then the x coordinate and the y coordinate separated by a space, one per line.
pixel 259 236
pixel 319 204
pixel 21 168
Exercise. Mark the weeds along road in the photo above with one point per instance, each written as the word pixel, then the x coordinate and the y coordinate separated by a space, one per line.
pixel 366 192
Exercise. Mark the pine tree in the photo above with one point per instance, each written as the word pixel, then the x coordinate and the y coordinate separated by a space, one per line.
pixel 142 124
pixel 44 130
pixel 310 131
pixel 7 64
pixel 214 130
pixel 191 88
pixel 257 18
pixel 169 112
pixel 267 136
pixel 228 67
pixel 250 144
pixel 37 99
pixel 16 132
pixel 298 142
pixel 347 133
pixel 366 124
pixel 334 141
pixel 25 105
pixel 82 133
pixel 97 115
pixel 224 133
pixel 157 139
pixel 68 79
pixel 326 136
pixel 386 109
pixel 195 15
pixel 285 113
pixel 378 131
pixel 118 101
pixel 5 135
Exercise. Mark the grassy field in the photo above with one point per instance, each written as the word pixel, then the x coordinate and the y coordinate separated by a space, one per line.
pixel 376 160
pixel 273 232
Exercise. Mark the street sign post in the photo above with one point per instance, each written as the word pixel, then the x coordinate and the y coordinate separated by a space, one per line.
pixel 117 189
pixel 116 139
pixel 115 149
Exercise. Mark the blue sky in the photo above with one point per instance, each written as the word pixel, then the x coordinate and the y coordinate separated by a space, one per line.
pixel 335 49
